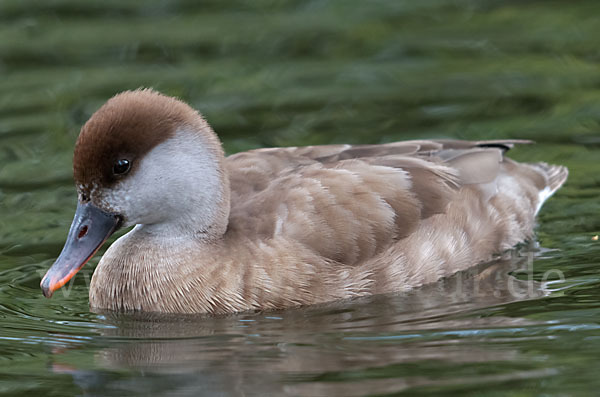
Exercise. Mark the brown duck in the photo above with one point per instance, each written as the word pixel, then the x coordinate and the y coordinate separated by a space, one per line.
pixel 280 227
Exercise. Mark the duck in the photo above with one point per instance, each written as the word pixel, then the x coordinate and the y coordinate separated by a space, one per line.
pixel 276 228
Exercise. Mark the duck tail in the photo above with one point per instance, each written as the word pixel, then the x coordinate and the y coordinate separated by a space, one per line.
pixel 556 175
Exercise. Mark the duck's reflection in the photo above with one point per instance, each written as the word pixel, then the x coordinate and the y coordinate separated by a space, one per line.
pixel 316 350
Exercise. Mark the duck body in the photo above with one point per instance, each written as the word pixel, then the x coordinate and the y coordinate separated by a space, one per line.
pixel 281 227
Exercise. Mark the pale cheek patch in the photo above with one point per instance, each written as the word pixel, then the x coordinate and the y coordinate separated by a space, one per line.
pixel 116 201
pixel 134 202
pixel 177 184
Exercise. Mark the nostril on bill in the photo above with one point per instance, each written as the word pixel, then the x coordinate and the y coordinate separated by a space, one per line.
pixel 83 231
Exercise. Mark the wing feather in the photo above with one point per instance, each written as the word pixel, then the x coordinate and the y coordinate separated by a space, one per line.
pixel 349 203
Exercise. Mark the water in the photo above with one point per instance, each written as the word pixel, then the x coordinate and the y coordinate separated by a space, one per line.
pixel 270 73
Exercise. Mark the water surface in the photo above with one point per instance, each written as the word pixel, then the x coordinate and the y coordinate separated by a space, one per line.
pixel 272 73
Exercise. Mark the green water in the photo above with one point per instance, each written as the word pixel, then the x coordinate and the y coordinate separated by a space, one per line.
pixel 271 73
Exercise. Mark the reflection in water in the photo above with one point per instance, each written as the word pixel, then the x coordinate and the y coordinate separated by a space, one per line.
pixel 316 350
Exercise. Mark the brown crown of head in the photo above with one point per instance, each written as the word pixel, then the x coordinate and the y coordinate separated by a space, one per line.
pixel 127 126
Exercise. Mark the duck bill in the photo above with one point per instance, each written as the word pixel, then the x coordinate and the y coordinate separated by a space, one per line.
pixel 91 227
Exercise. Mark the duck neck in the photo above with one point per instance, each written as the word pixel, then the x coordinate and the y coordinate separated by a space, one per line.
pixel 205 220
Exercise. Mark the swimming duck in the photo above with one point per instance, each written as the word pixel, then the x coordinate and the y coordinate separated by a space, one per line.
pixel 280 227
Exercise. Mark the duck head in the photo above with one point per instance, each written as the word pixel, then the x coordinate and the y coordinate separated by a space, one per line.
pixel 143 159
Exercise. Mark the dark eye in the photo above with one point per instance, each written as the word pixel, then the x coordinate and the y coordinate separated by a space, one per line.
pixel 121 167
